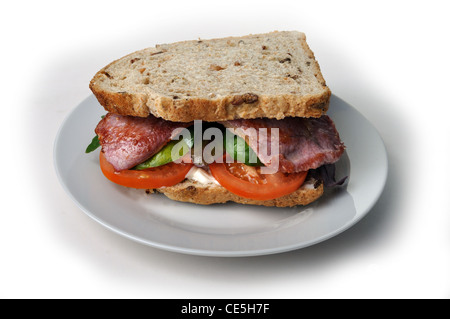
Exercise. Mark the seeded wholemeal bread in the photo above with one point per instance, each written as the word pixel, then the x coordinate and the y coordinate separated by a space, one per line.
pixel 271 75
pixel 207 194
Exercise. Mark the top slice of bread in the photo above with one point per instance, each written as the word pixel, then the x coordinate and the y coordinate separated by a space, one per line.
pixel 272 75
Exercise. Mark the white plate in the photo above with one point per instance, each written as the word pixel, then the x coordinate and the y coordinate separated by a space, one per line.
pixel 228 229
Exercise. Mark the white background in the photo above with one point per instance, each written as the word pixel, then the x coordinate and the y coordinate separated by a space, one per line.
pixel 389 59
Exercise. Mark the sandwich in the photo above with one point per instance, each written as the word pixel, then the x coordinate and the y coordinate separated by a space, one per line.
pixel 237 119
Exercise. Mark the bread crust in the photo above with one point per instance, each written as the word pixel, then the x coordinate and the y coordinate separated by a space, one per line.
pixel 193 192
pixel 222 108
pixel 277 107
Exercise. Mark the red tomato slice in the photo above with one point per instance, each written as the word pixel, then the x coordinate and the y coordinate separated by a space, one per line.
pixel 248 182
pixel 165 175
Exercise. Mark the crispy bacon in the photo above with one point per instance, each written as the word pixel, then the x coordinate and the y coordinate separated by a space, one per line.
pixel 127 140
pixel 304 143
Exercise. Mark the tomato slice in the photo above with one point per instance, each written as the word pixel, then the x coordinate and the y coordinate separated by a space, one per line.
pixel 165 175
pixel 248 182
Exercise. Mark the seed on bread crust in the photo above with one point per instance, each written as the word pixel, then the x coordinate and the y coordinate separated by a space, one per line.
pixel 107 75
pixel 237 100
pixel 319 106
pixel 214 67
pixel 247 98
pixel 250 98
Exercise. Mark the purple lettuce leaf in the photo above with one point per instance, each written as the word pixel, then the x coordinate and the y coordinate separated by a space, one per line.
pixel 326 173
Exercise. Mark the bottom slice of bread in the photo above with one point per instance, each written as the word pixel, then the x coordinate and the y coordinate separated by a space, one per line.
pixel 207 194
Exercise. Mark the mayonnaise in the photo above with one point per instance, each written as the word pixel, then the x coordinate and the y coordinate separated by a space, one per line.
pixel 201 176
